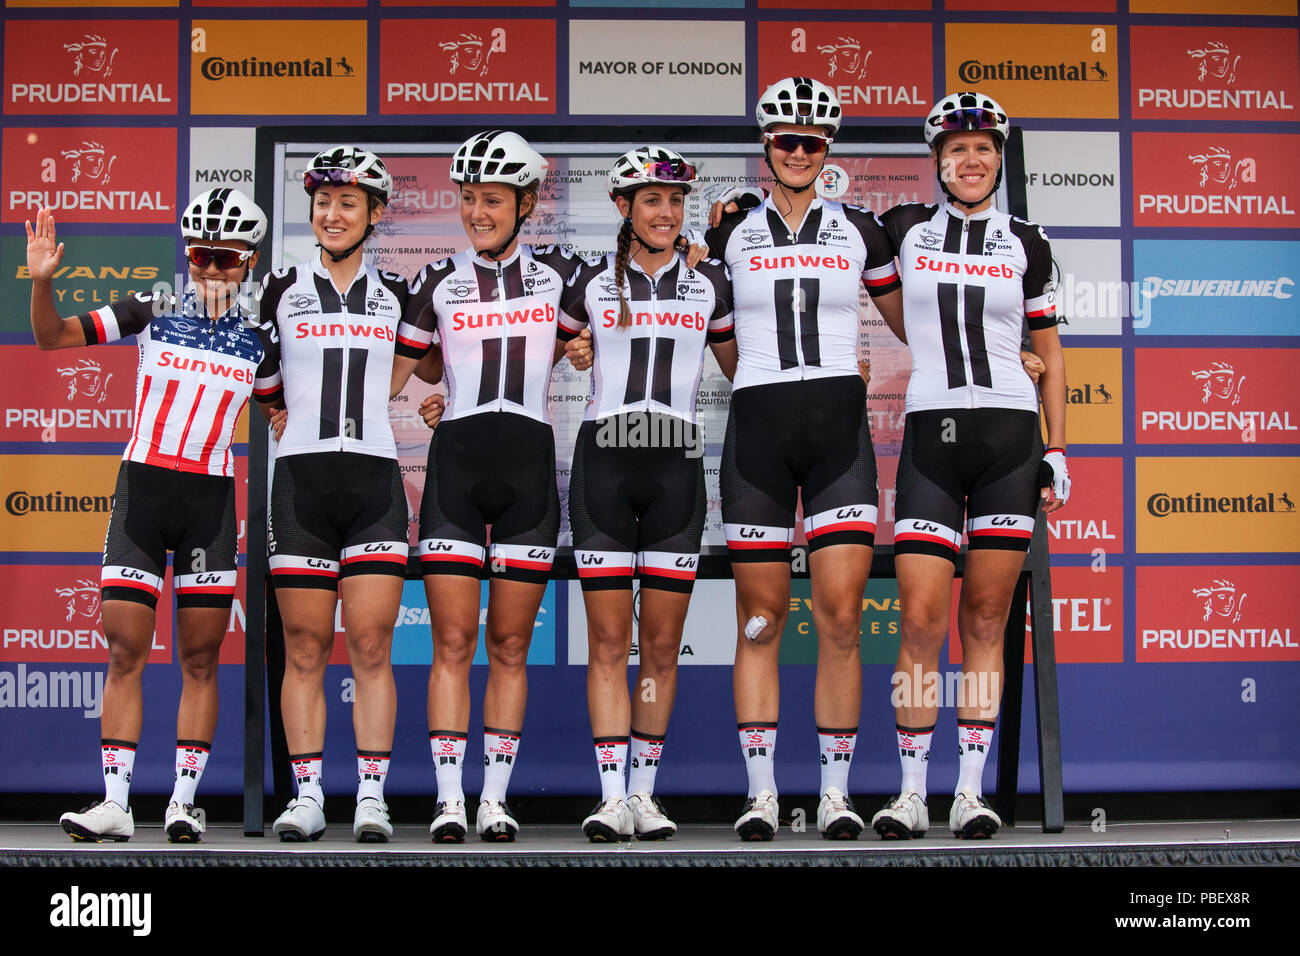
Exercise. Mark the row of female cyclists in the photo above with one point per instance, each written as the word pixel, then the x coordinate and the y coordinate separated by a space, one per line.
pixel 335 338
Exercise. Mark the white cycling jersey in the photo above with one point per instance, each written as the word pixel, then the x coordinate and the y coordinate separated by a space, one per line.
pixel 970 284
pixel 796 291
pixel 496 324
pixel 653 364
pixel 336 356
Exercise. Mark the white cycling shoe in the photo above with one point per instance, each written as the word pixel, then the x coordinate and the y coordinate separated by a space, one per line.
pixel 301 821
pixel 495 823
pixel 449 822
pixel 971 818
pixel 611 822
pixel 903 818
pixel 648 817
pixel 370 823
pixel 759 821
pixel 99 822
pixel 836 817
pixel 183 823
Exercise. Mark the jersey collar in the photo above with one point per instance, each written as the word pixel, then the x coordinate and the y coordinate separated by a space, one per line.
pixel 494 263
pixel 191 308
pixel 973 216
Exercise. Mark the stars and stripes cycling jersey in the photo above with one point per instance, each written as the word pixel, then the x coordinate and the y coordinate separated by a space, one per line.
pixel 194 376
pixel 970 283
pixel 336 356
pixel 496 325
pixel 796 291
pixel 653 364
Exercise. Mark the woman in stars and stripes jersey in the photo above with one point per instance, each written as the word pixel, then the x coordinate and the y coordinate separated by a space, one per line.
pixel 973 277
pixel 201 357
pixel 636 493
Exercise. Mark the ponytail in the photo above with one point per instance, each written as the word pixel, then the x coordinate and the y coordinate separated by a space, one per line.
pixel 620 269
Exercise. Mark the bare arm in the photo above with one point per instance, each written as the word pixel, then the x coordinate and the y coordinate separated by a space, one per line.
pixel 1051 388
pixel 44 254
pixel 429 368
pixel 890 306
pixel 727 355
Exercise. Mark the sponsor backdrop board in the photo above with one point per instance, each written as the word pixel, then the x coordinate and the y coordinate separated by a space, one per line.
pixel 114 129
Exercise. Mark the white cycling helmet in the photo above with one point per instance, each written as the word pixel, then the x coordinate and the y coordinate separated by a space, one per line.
pixel 497 156
pixel 223 213
pixel 650 166
pixel 966 111
pixel 799 100
pixel 349 166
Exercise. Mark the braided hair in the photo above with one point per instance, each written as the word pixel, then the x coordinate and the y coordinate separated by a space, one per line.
pixel 620 270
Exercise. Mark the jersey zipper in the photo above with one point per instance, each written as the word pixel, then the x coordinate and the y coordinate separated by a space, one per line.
pixel 505 351
pixel 961 315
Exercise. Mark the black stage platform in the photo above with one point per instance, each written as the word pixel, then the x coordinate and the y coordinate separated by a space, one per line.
pixel 1205 843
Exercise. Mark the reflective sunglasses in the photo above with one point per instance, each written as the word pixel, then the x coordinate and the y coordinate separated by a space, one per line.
pixel 224 258
pixel 672 171
pixel 970 119
pixel 329 176
pixel 789 142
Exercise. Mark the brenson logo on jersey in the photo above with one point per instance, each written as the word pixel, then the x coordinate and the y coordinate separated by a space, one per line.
pixel 1162 505
pixel 89 59
pixel 468 58
pixel 1221 392
pixel 1215 64
pixel 1221 606
pixel 1218 175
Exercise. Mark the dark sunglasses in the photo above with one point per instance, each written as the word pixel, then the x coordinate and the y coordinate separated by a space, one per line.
pixel 970 119
pixel 224 258
pixel 329 176
pixel 789 142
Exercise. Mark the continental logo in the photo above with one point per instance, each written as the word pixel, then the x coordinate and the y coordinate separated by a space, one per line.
pixel 978 72
pixel 1161 504
pixel 217 68
pixel 1089 394
pixel 22 503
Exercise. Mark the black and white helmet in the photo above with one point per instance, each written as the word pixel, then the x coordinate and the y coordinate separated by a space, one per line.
pixel 497 156
pixel 349 166
pixel 801 101
pixel 648 166
pixel 223 213
pixel 966 111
